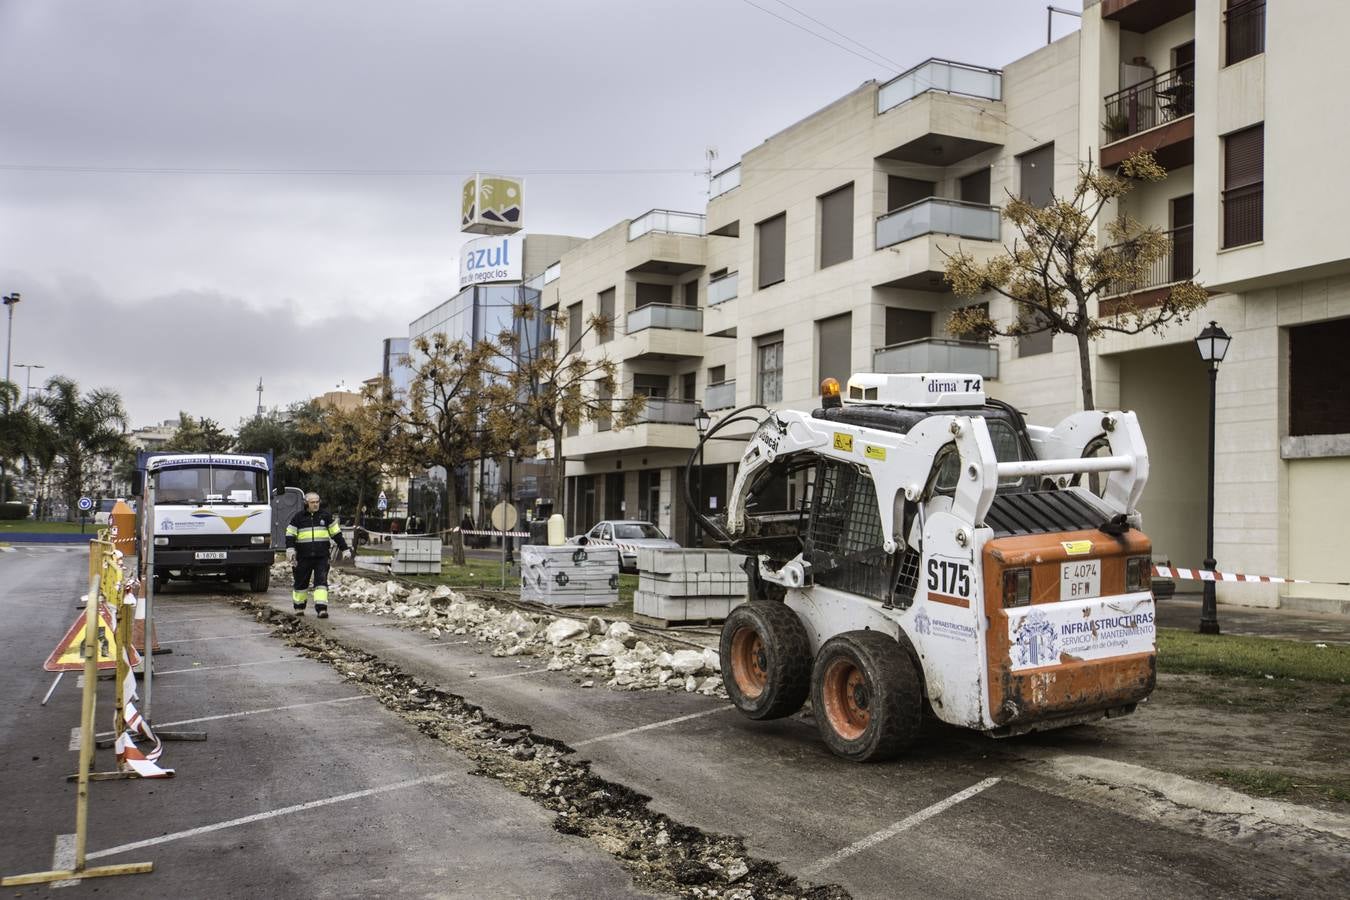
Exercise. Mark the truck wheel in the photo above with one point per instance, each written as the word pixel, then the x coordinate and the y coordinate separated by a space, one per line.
pixel 866 695
pixel 260 580
pixel 766 659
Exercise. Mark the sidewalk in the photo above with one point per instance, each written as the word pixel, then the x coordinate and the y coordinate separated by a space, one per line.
pixel 1285 624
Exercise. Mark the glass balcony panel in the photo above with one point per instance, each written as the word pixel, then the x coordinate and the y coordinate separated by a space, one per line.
pixel 940 75
pixel 667 221
pixel 723 289
pixel 720 396
pixel 658 315
pixel 937 216
pixel 663 411
pixel 553 273
pixel 724 181
pixel 937 355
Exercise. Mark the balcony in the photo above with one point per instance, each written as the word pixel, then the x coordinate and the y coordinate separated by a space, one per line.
pixel 1145 15
pixel 1175 266
pixel 720 290
pixel 940 75
pixel 724 181
pixel 937 355
pixel 938 216
pixel 659 315
pixel 939 113
pixel 663 424
pixel 664 242
pixel 721 395
pixel 1155 115
pixel 664 411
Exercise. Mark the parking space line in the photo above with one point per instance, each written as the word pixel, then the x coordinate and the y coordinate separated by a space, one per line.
pixel 261 662
pixel 63 859
pixel 903 825
pixel 75 732
pixel 661 724
pixel 263 816
pixel 222 637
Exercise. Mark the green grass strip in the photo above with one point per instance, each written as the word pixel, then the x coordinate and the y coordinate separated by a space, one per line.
pixel 1251 657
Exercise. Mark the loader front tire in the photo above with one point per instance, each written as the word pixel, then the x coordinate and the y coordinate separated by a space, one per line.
pixel 766 660
pixel 866 696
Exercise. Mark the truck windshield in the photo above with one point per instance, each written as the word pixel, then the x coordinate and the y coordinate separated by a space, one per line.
pixel 210 484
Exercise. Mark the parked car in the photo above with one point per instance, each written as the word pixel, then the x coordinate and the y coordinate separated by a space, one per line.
pixel 629 534
pixel 105 507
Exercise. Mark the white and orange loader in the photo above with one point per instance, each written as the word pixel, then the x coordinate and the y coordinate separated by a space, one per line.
pixel 915 545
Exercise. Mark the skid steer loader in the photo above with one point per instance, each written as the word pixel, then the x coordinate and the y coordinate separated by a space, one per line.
pixel 913 544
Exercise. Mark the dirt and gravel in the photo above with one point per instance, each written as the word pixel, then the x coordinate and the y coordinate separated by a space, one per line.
pixel 663 855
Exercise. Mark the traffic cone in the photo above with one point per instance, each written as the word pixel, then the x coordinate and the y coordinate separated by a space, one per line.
pixel 138 627
pixel 123 521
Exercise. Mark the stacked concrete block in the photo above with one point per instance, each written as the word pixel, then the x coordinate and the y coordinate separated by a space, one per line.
pixel 416 556
pixel 689 585
pixel 569 575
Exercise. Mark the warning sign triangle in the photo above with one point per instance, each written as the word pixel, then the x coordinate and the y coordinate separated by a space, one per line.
pixel 68 655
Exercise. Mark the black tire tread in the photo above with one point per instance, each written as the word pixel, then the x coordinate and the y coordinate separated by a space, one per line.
pixel 789 656
pixel 897 696
pixel 260 580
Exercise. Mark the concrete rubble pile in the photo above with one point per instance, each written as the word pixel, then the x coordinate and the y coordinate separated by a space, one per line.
pixel 593 650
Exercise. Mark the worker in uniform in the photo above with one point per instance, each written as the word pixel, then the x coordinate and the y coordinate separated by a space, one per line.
pixel 307 548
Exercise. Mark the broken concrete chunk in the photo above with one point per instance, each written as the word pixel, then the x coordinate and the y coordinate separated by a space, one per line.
pixel 686 662
pixel 564 630
pixel 622 632
pixel 595 625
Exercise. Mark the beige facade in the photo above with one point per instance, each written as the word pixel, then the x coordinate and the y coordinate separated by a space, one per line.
pixel 1183 78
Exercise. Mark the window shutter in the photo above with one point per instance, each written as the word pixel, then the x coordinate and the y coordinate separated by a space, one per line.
pixel 836 226
pixel 772 235
pixel 1244 158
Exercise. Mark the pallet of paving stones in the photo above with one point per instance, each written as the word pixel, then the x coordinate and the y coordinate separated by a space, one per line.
pixel 665 612
pixel 416 556
pixel 689 586
pixel 569 575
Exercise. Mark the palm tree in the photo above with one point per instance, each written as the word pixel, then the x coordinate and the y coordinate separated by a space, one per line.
pixel 22 436
pixel 83 428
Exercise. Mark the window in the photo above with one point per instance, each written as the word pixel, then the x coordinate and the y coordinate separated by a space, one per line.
pixel 907 325
pixel 1036 343
pixel 975 187
pixel 1245 23
pixel 769 367
pixel 633 531
pixel 573 327
pixel 653 293
pixel 688 385
pixel 607 313
pixel 1319 369
pixel 717 374
pixel 834 348
pixel 651 385
pixel 771 239
pixel 901 192
pixel 1243 186
pixel 836 226
pixel 604 399
pixel 1037 168
pixel 691 293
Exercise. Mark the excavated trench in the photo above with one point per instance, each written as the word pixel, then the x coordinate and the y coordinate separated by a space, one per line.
pixel 661 854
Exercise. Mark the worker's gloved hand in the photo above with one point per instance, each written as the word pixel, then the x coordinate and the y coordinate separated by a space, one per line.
pixel 290 555
pixel 346 554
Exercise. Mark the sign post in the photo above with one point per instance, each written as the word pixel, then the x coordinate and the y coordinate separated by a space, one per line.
pixel 85 504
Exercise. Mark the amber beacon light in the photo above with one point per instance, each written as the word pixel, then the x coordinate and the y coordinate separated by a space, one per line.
pixel 829 394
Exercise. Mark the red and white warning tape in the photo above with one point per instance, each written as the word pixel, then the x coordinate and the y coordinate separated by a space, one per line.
pixel 129 756
pixel 1211 575
pixel 442 534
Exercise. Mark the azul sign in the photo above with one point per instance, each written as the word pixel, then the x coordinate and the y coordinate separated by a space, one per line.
pixel 491 259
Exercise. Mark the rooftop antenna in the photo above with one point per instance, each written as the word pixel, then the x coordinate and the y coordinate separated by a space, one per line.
pixel 260 390
pixel 711 154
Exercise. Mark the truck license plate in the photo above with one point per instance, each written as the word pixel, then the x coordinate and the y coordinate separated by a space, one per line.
pixel 1080 580
pixel 210 554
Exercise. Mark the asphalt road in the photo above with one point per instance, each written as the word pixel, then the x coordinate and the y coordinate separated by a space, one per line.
pixel 286 749
pixel 959 816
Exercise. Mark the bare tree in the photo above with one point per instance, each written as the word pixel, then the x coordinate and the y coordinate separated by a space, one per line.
pixel 1056 274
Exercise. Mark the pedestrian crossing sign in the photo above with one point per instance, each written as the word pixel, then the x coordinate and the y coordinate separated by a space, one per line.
pixel 68 655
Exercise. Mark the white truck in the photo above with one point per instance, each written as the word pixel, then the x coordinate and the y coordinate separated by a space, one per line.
pixel 212 516
pixel 915 546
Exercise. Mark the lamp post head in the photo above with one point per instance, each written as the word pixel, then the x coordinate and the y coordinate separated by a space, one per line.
pixel 1213 343
pixel 12 299
pixel 702 420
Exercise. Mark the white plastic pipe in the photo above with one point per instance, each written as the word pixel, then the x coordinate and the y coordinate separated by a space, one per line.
pixel 1065 466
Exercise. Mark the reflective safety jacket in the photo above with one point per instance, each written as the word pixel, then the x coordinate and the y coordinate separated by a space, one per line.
pixel 309 533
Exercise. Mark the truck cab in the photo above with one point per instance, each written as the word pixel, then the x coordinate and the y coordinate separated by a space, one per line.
pixel 212 516
pixel 915 545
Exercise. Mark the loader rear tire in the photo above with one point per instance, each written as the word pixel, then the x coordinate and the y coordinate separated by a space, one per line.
pixel 866 696
pixel 766 660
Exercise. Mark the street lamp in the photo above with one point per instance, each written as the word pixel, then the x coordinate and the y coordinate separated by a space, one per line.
pixel 510 504
pixel 702 421
pixel 10 301
pixel 1213 345
pixel 28 381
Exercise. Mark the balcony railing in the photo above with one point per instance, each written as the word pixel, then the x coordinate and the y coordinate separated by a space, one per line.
pixel 940 75
pixel 938 216
pixel 659 315
pixel 937 355
pixel 553 273
pixel 1243 215
pixel 722 289
pixel 1245 21
pixel 720 396
pixel 1148 104
pixel 1177 264
pixel 662 411
pixel 724 181
pixel 669 222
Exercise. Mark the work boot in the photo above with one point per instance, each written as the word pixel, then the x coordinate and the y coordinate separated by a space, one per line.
pixel 299 609
pixel 320 610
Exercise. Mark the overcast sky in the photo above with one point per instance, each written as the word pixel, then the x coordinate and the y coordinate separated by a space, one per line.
pixel 195 194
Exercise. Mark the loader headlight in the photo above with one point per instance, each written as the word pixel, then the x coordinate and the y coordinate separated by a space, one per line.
pixel 1138 573
pixel 1016 587
pixel 161 542
pixel 258 539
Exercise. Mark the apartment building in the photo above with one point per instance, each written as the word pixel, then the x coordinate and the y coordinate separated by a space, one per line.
pixel 821 253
